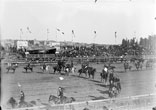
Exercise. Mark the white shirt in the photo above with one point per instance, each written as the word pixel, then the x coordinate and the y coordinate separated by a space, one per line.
pixel 105 69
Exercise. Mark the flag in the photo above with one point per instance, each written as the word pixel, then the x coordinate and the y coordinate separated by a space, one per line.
pixel 47 30
pixel 21 31
pixel 61 78
pixel 28 30
pixel 72 31
pixel 115 34
pixel 58 29
pixel 19 85
pixel 95 32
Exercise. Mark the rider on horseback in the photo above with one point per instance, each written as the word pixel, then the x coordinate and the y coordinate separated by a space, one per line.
pixel 44 66
pixel 105 68
pixel 60 94
pixel 28 64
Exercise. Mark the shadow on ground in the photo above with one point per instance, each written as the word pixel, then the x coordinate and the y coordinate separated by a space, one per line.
pixel 97 98
pixel 102 85
pixel 103 92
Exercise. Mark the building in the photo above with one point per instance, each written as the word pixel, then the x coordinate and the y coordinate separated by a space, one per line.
pixel 22 44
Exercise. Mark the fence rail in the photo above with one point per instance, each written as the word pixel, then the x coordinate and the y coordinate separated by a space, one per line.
pixel 139 102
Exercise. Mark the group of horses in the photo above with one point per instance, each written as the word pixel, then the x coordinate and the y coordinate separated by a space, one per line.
pixel 112 81
pixel 13 103
pixel 87 70
pixel 138 63
pixel 60 66
pixel 106 77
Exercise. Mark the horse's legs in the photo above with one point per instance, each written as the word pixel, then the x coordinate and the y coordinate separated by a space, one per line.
pixel 79 73
pixel 13 70
pixel 8 71
pixel 93 76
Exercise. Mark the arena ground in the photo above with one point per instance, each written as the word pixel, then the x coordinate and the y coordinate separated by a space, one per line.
pixel 38 85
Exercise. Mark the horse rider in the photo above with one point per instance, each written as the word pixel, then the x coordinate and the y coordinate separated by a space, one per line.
pixel 22 97
pixel 44 66
pixel 60 94
pixel 28 64
pixel 105 69
pixel 111 76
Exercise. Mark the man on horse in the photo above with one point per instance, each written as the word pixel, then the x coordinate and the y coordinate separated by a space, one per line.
pixel 105 73
pixel 44 66
pixel 28 65
pixel 60 94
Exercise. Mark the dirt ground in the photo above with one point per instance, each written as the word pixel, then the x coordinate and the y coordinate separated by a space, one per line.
pixel 38 85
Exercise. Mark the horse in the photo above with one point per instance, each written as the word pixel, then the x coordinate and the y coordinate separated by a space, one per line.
pixel 13 67
pixel 138 64
pixel 53 99
pixel 57 68
pixel 149 64
pixel 61 64
pixel 83 70
pixel 26 104
pixel 118 86
pixel 28 68
pixel 12 103
pixel 126 66
pixel 91 71
pixel 67 99
pixel 111 68
pixel 104 76
pixel 111 78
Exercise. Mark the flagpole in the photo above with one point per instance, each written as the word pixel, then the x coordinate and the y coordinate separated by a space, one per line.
pixel 56 35
pixel 72 35
pixel 115 37
pixel 47 34
pixel 94 40
pixel 20 34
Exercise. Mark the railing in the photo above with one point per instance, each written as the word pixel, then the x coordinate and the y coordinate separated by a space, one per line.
pixel 140 102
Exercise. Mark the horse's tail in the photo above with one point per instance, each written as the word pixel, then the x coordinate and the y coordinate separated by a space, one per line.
pixel 50 98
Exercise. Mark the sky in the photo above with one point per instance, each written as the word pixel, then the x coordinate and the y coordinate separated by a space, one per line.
pixel 129 18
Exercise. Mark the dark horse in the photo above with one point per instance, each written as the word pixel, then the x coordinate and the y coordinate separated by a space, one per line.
pixel 91 72
pixel 126 66
pixel 12 103
pixel 55 100
pixel 149 64
pixel 138 64
pixel 83 70
pixel 104 76
pixel 57 68
pixel 28 68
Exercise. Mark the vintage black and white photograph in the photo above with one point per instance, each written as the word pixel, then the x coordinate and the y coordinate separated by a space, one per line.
pixel 78 54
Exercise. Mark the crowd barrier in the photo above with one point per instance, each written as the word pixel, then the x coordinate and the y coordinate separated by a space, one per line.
pixel 140 102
